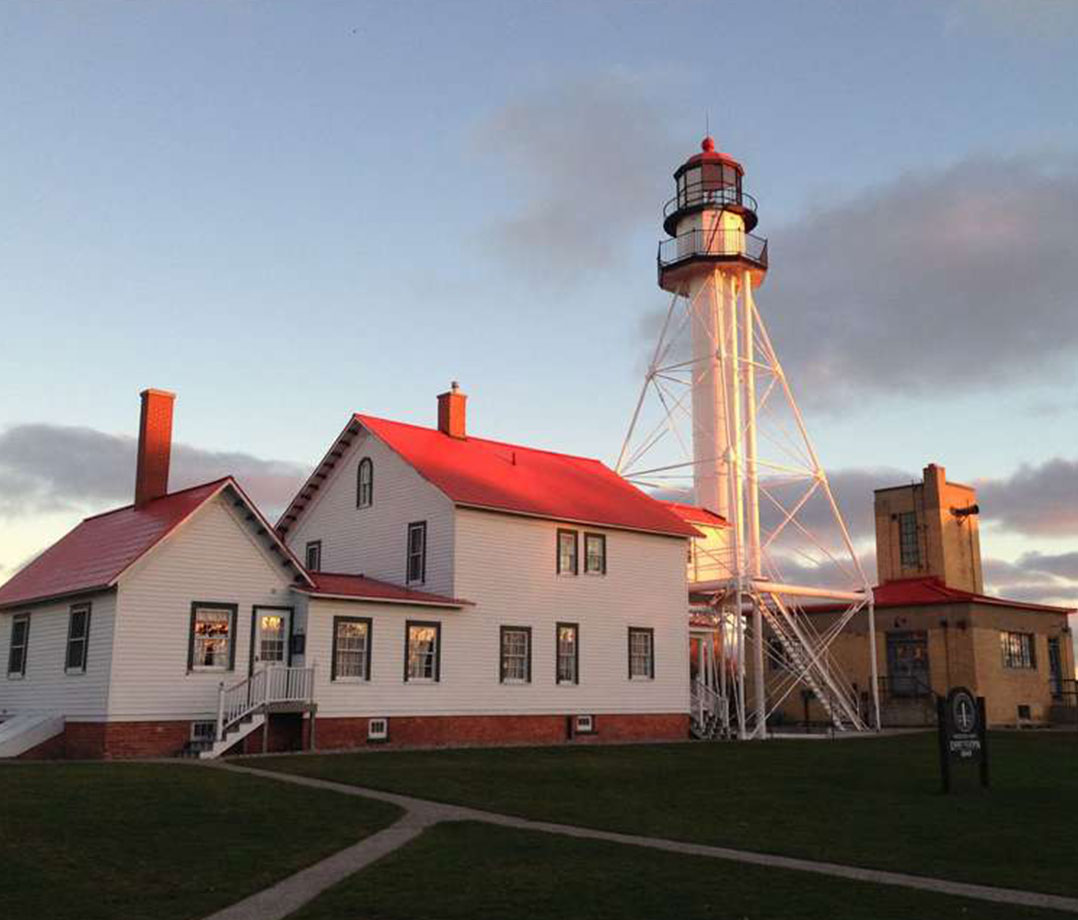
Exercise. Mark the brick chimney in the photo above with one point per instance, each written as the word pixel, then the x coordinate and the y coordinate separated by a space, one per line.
pixel 154 446
pixel 451 412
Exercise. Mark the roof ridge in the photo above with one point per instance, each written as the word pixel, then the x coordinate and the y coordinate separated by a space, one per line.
pixel 538 450
pixel 128 507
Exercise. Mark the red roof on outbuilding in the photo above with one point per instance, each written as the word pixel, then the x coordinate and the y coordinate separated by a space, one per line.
pixel 97 551
pixel 930 590
pixel 506 477
pixel 694 514
pixel 329 584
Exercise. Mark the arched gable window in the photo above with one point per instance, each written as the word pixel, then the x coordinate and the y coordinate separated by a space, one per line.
pixel 365 483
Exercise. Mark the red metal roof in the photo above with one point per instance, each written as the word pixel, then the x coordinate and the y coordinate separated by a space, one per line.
pixel 694 514
pixel 97 551
pixel 329 584
pixel 506 477
pixel 930 590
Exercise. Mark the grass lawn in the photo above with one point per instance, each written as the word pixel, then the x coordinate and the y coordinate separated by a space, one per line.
pixel 872 802
pixel 479 872
pixel 92 841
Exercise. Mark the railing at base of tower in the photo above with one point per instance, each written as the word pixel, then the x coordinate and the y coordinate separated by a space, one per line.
pixel 708 711
pixel 273 686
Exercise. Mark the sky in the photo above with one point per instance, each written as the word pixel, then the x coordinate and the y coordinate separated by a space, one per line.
pixel 287 212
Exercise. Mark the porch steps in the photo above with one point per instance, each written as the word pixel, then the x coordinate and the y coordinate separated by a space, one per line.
pixel 21 733
pixel 235 733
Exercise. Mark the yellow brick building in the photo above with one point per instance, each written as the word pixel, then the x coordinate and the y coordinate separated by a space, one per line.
pixel 936 629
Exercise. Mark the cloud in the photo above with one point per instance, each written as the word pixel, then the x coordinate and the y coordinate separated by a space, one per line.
pixel 589 157
pixel 1037 500
pixel 53 467
pixel 961 278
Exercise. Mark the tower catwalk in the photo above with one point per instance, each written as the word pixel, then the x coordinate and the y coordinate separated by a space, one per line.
pixel 745 455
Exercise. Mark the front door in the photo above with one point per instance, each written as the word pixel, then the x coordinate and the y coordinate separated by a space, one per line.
pixel 272 628
pixel 907 663
pixel 1055 667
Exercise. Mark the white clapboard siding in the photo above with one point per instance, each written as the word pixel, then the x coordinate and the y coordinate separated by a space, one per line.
pixel 46 687
pixel 212 557
pixel 506 565
pixel 372 541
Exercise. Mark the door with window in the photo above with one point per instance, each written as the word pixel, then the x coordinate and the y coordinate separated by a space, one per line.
pixel 1055 667
pixel 907 663
pixel 272 630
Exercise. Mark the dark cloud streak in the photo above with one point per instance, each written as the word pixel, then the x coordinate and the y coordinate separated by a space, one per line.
pixel 57 468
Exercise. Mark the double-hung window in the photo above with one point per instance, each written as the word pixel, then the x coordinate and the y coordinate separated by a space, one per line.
pixel 212 644
pixel 78 639
pixel 365 483
pixel 416 565
pixel 516 666
pixel 313 556
pixel 568 649
pixel 1018 650
pixel 423 652
pixel 641 653
pixel 594 554
pixel 20 644
pixel 351 649
pixel 567 547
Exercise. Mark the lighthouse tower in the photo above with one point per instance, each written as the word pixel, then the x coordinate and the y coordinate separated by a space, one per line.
pixel 716 422
pixel 714 261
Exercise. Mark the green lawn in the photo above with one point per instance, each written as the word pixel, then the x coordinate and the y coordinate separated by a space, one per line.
pixel 132 841
pixel 873 802
pixel 479 872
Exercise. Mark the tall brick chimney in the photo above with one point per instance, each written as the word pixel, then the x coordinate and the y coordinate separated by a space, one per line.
pixel 154 446
pixel 452 412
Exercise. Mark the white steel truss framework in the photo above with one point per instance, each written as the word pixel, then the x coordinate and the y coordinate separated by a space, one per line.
pixel 750 454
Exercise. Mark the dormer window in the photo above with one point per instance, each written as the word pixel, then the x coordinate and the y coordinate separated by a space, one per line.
pixel 365 483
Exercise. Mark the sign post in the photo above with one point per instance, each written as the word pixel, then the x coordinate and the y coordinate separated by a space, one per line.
pixel 962 734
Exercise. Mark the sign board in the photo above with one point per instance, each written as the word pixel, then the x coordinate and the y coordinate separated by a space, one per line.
pixel 962 736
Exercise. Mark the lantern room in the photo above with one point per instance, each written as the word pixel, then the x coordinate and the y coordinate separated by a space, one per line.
pixel 708 179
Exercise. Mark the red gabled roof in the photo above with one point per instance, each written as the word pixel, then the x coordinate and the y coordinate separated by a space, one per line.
pixel 93 555
pixel 100 549
pixel 329 584
pixel 479 473
pixel 694 514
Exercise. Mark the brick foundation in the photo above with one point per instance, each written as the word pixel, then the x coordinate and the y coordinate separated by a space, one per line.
pixel 124 740
pixel 434 731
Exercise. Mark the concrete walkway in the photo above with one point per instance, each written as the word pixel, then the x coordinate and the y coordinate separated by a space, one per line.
pixel 287 896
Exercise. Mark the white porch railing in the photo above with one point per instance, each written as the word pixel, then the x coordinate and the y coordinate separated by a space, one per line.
pixel 272 684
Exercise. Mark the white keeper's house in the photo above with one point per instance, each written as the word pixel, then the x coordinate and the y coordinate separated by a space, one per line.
pixel 424 587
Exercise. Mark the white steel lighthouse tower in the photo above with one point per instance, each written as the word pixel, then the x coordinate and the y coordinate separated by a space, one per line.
pixel 716 422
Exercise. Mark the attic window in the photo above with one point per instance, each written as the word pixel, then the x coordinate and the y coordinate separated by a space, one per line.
pixel 365 483
pixel 314 556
